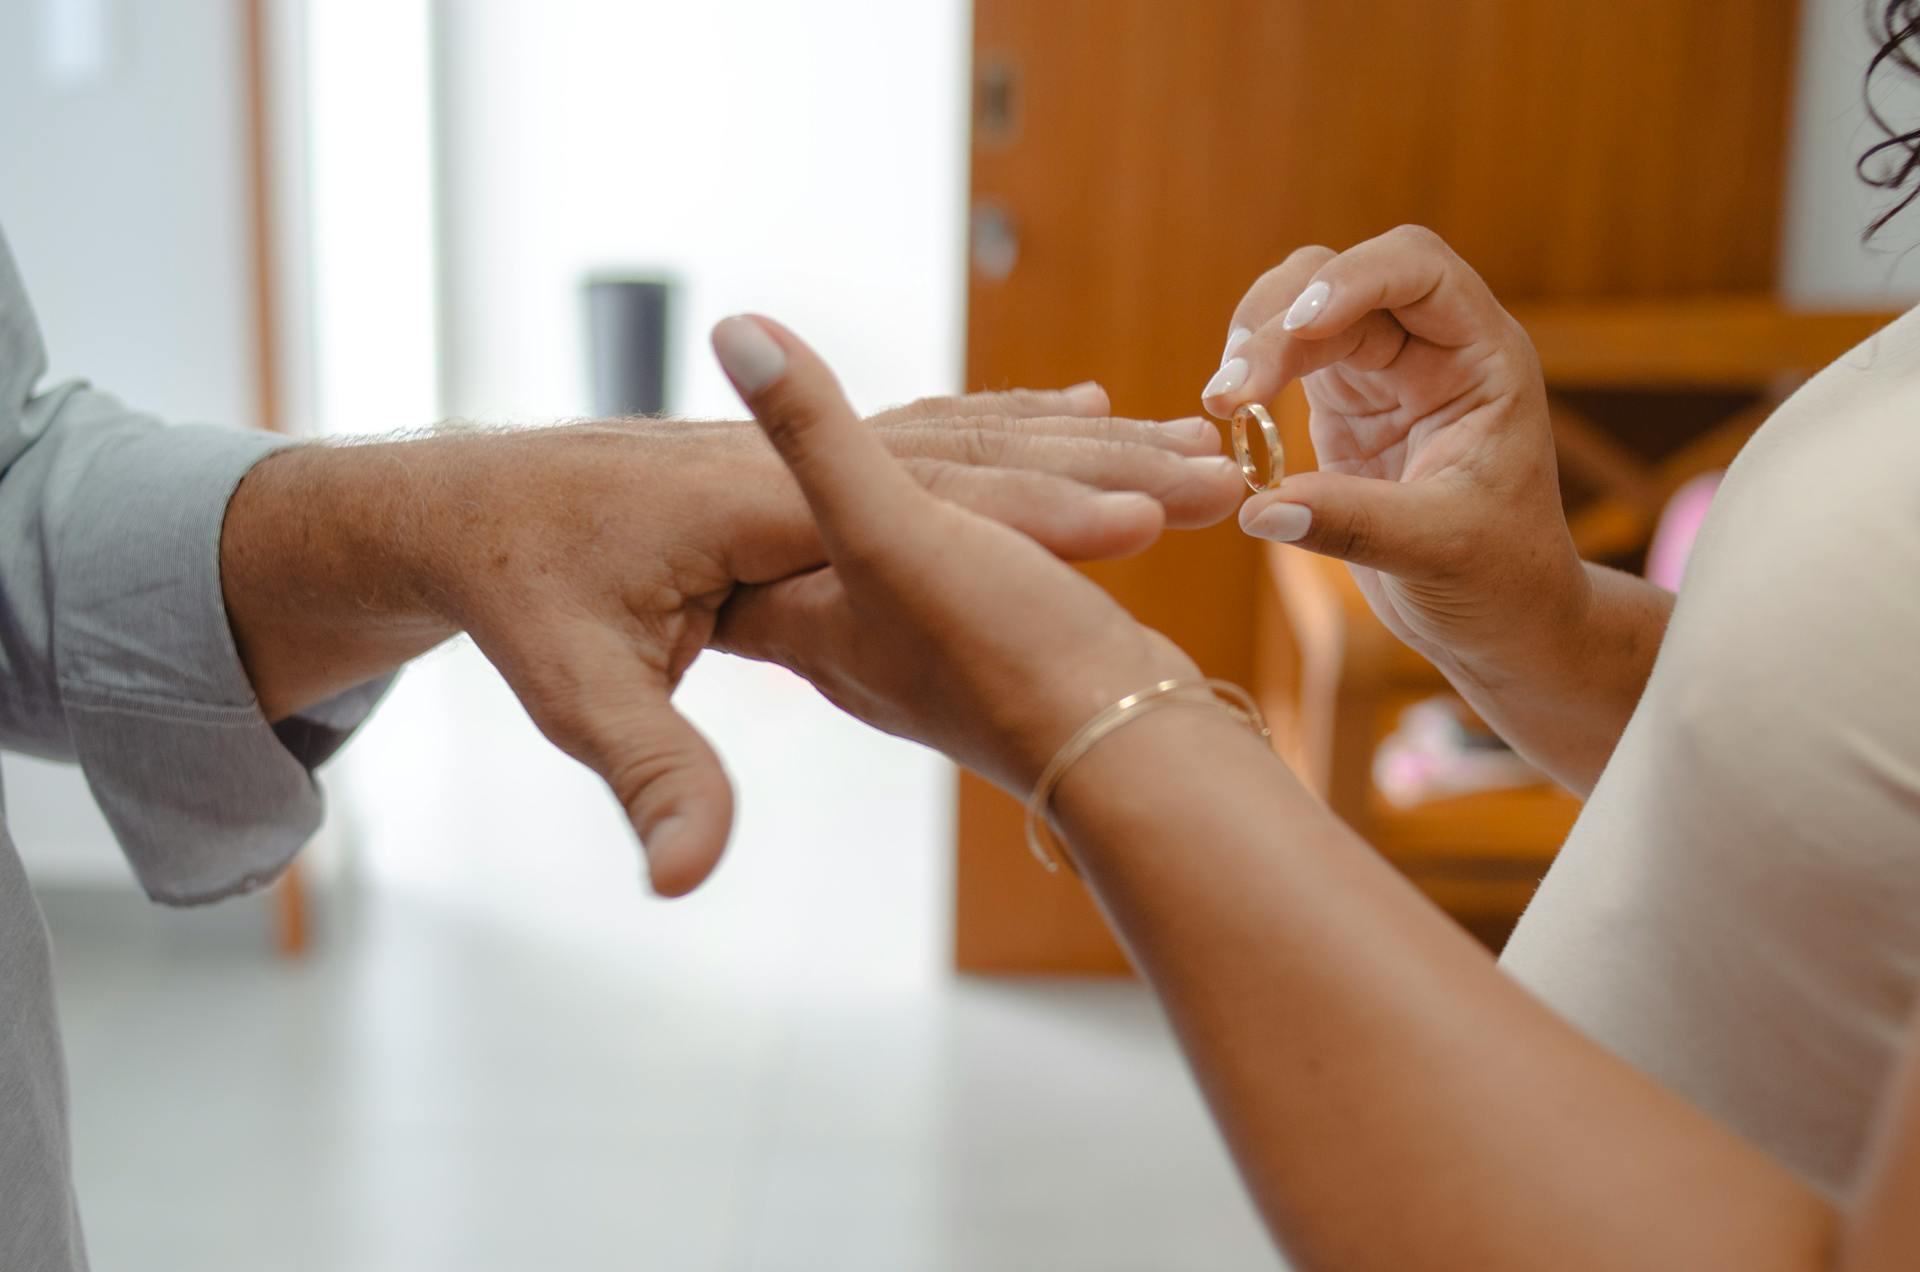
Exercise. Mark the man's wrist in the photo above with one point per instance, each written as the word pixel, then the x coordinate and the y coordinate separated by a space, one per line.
pixel 415 527
pixel 326 563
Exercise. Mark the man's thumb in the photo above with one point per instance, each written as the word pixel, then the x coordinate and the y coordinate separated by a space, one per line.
pixel 669 780
pixel 1397 527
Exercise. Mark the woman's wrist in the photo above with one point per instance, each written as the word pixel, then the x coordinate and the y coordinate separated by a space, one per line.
pixel 1067 702
pixel 1547 632
pixel 1142 771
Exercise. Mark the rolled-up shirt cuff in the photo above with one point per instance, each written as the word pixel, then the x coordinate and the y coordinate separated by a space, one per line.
pixel 205 796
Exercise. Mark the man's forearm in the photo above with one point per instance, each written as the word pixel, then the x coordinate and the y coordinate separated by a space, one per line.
pixel 322 567
pixel 1393 1099
pixel 1565 702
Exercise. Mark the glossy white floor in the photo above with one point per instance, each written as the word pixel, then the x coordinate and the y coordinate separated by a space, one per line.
pixel 502 1055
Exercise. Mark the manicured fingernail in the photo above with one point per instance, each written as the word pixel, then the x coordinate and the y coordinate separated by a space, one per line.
pixel 751 358
pixel 1193 428
pixel 1281 522
pixel 1213 466
pixel 1087 396
pixel 1235 338
pixel 1228 378
pixel 1307 306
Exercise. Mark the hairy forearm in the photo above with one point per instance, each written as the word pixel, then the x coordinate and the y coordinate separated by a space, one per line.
pixel 323 563
pixel 1393 1099
pixel 1563 701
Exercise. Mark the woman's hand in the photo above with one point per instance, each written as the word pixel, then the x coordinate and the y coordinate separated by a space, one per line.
pixel 931 622
pixel 1436 479
pixel 1437 486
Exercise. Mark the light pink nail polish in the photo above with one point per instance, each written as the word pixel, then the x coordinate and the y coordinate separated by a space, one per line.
pixel 1307 306
pixel 1280 523
pixel 1235 338
pixel 750 356
pixel 1228 378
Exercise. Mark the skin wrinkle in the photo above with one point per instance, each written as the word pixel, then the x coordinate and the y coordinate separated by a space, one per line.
pixel 1402 438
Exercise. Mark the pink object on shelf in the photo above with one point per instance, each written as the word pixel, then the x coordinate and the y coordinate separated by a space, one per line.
pixel 1679 527
pixel 1433 753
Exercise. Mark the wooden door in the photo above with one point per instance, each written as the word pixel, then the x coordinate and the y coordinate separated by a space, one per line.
pixel 1146 159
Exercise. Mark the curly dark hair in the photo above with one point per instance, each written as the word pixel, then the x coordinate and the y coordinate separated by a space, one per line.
pixel 1893 162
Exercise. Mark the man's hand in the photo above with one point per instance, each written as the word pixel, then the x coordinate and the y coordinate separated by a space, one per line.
pixel 589 562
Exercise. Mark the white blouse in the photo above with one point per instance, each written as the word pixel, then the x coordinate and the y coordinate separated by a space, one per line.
pixel 1737 911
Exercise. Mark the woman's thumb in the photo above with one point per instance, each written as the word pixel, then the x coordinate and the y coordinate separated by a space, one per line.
pixel 851 483
pixel 1398 527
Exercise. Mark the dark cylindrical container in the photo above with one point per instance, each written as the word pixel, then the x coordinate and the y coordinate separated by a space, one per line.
pixel 627 344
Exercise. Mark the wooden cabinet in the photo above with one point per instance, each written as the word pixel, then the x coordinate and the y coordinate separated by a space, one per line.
pixel 1138 162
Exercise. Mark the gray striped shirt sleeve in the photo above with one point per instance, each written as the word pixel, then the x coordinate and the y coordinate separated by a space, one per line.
pixel 115 649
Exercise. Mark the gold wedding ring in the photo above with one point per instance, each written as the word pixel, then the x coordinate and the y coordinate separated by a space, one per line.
pixel 1243 451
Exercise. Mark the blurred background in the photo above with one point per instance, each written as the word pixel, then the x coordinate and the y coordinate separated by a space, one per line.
pixel 465 1036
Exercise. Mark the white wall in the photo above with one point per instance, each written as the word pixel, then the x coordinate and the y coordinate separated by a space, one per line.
pixel 122 193
pixel 805 160
pixel 125 200
pixel 1823 261
pixel 370 214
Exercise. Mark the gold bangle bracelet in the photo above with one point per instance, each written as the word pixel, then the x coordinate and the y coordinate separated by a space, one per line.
pixel 1224 694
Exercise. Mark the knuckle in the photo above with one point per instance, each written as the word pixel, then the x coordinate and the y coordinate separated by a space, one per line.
pixel 636 777
pixel 1422 241
pixel 1279 285
pixel 1518 337
pixel 1379 345
pixel 1096 454
pixel 788 428
pixel 932 408
pixel 1349 537
pixel 937 477
pixel 1133 448
pixel 1312 256
pixel 908 440
pixel 983 443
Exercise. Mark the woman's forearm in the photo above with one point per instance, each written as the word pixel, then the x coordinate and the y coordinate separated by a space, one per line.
pixel 1564 700
pixel 1393 1099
